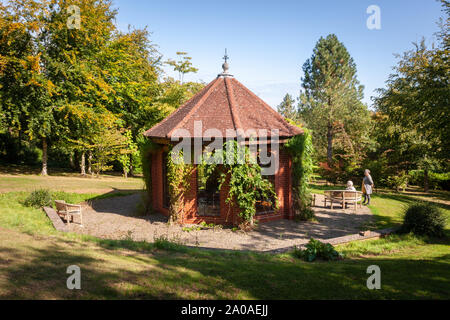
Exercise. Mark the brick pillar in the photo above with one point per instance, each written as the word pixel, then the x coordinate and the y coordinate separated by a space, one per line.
pixel 190 198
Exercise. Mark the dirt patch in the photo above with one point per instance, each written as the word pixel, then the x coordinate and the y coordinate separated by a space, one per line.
pixel 114 218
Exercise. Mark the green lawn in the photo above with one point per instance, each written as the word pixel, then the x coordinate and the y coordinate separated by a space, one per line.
pixel 69 183
pixel 388 206
pixel 34 267
pixel 34 258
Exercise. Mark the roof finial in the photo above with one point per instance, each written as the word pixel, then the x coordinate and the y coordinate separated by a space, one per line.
pixel 225 65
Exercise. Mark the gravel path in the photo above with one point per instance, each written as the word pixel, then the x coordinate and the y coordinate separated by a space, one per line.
pixel 114 218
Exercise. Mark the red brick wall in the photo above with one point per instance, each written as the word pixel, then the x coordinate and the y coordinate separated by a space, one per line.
pixel 229 215
pixel 157 182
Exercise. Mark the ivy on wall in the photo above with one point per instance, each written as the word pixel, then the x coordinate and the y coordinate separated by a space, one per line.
pixel 301 150
pixel 244 178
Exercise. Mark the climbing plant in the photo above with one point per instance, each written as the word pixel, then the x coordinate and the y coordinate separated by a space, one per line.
pixel 301 150
pixel 178 176
pixel 243 175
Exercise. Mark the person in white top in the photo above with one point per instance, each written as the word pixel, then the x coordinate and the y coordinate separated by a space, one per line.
pixel 350 186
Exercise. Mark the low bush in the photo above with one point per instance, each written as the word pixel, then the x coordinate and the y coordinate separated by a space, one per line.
pixel 38 199
pixel 316 249
pixel 424 218
pixel 307 214
pixel 435 180
pixel 163 243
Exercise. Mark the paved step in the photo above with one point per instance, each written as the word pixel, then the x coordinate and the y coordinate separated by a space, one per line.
pixel 55 219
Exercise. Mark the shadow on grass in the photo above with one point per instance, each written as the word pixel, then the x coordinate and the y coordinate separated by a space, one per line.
pixel 41 274
pixel 407 199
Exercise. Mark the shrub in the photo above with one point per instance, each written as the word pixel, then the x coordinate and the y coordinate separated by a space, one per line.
pixel 163 243
pixel 301 150
pixel 397 182
pixel 316 249
pixel 38 199
pixel 424 218
pixel 435 180
pixel 307 214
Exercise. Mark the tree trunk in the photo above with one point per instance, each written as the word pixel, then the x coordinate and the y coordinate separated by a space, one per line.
pixel 72 164
pixel 131 166
pixel 425 180
pixel 44 156
pixel 90 162
pixel 83 163
pixel 125 172
pixel 330 144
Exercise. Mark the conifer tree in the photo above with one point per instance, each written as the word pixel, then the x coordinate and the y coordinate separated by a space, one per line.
pixel 330 102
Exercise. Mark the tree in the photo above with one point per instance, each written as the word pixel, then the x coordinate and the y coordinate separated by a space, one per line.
pixel 416 103
pixel 72 62
pixel 183 65
pixel 287 108
pixel 24 89
pixel 330 102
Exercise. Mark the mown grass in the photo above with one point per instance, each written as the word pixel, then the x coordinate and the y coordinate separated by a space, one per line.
pixel 14 214
pixel 36 269
pixel 387 206
pixel 77 184
pixel 37 258
pixel 393 243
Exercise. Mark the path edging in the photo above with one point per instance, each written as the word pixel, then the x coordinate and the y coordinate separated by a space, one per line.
pixel 55 219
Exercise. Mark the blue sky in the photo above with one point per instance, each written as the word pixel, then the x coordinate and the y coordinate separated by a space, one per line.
pixel 268 41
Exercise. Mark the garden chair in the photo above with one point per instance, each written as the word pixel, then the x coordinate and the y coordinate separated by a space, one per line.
pixel 68 210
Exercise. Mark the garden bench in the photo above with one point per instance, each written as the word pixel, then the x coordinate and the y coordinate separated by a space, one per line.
pixel 68 210
pixel 343 197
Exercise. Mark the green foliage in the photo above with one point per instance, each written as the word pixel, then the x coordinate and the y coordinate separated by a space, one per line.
pixel 424 218
pixel 193 228
pixel 316 249
pixel 287 107
pixel 183 65
pixel 128 150
pixel 331 106
pixel 399 181
pixel 436 180
pixel 414 109
pixel 96 77
pixel 106 147
pixel 178 175
pixel 38 199
pixel 240 172
pixel 163 243
pixel 301 150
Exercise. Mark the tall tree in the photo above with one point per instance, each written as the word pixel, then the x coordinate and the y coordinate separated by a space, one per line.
pixel 287 107
pixel 416 101
pixel 330 102
pixel 24 89
pixel 183 65
pixel 72 61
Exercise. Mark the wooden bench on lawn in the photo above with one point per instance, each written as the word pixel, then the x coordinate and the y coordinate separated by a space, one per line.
pixel 343 197
pixel 68 211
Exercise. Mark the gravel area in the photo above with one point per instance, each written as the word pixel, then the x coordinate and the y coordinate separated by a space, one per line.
pixel 114 218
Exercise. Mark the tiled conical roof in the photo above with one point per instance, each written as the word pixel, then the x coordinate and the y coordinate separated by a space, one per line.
pixel 223 104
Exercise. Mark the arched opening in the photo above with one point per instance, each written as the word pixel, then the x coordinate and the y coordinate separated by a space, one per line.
pixel 208 195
